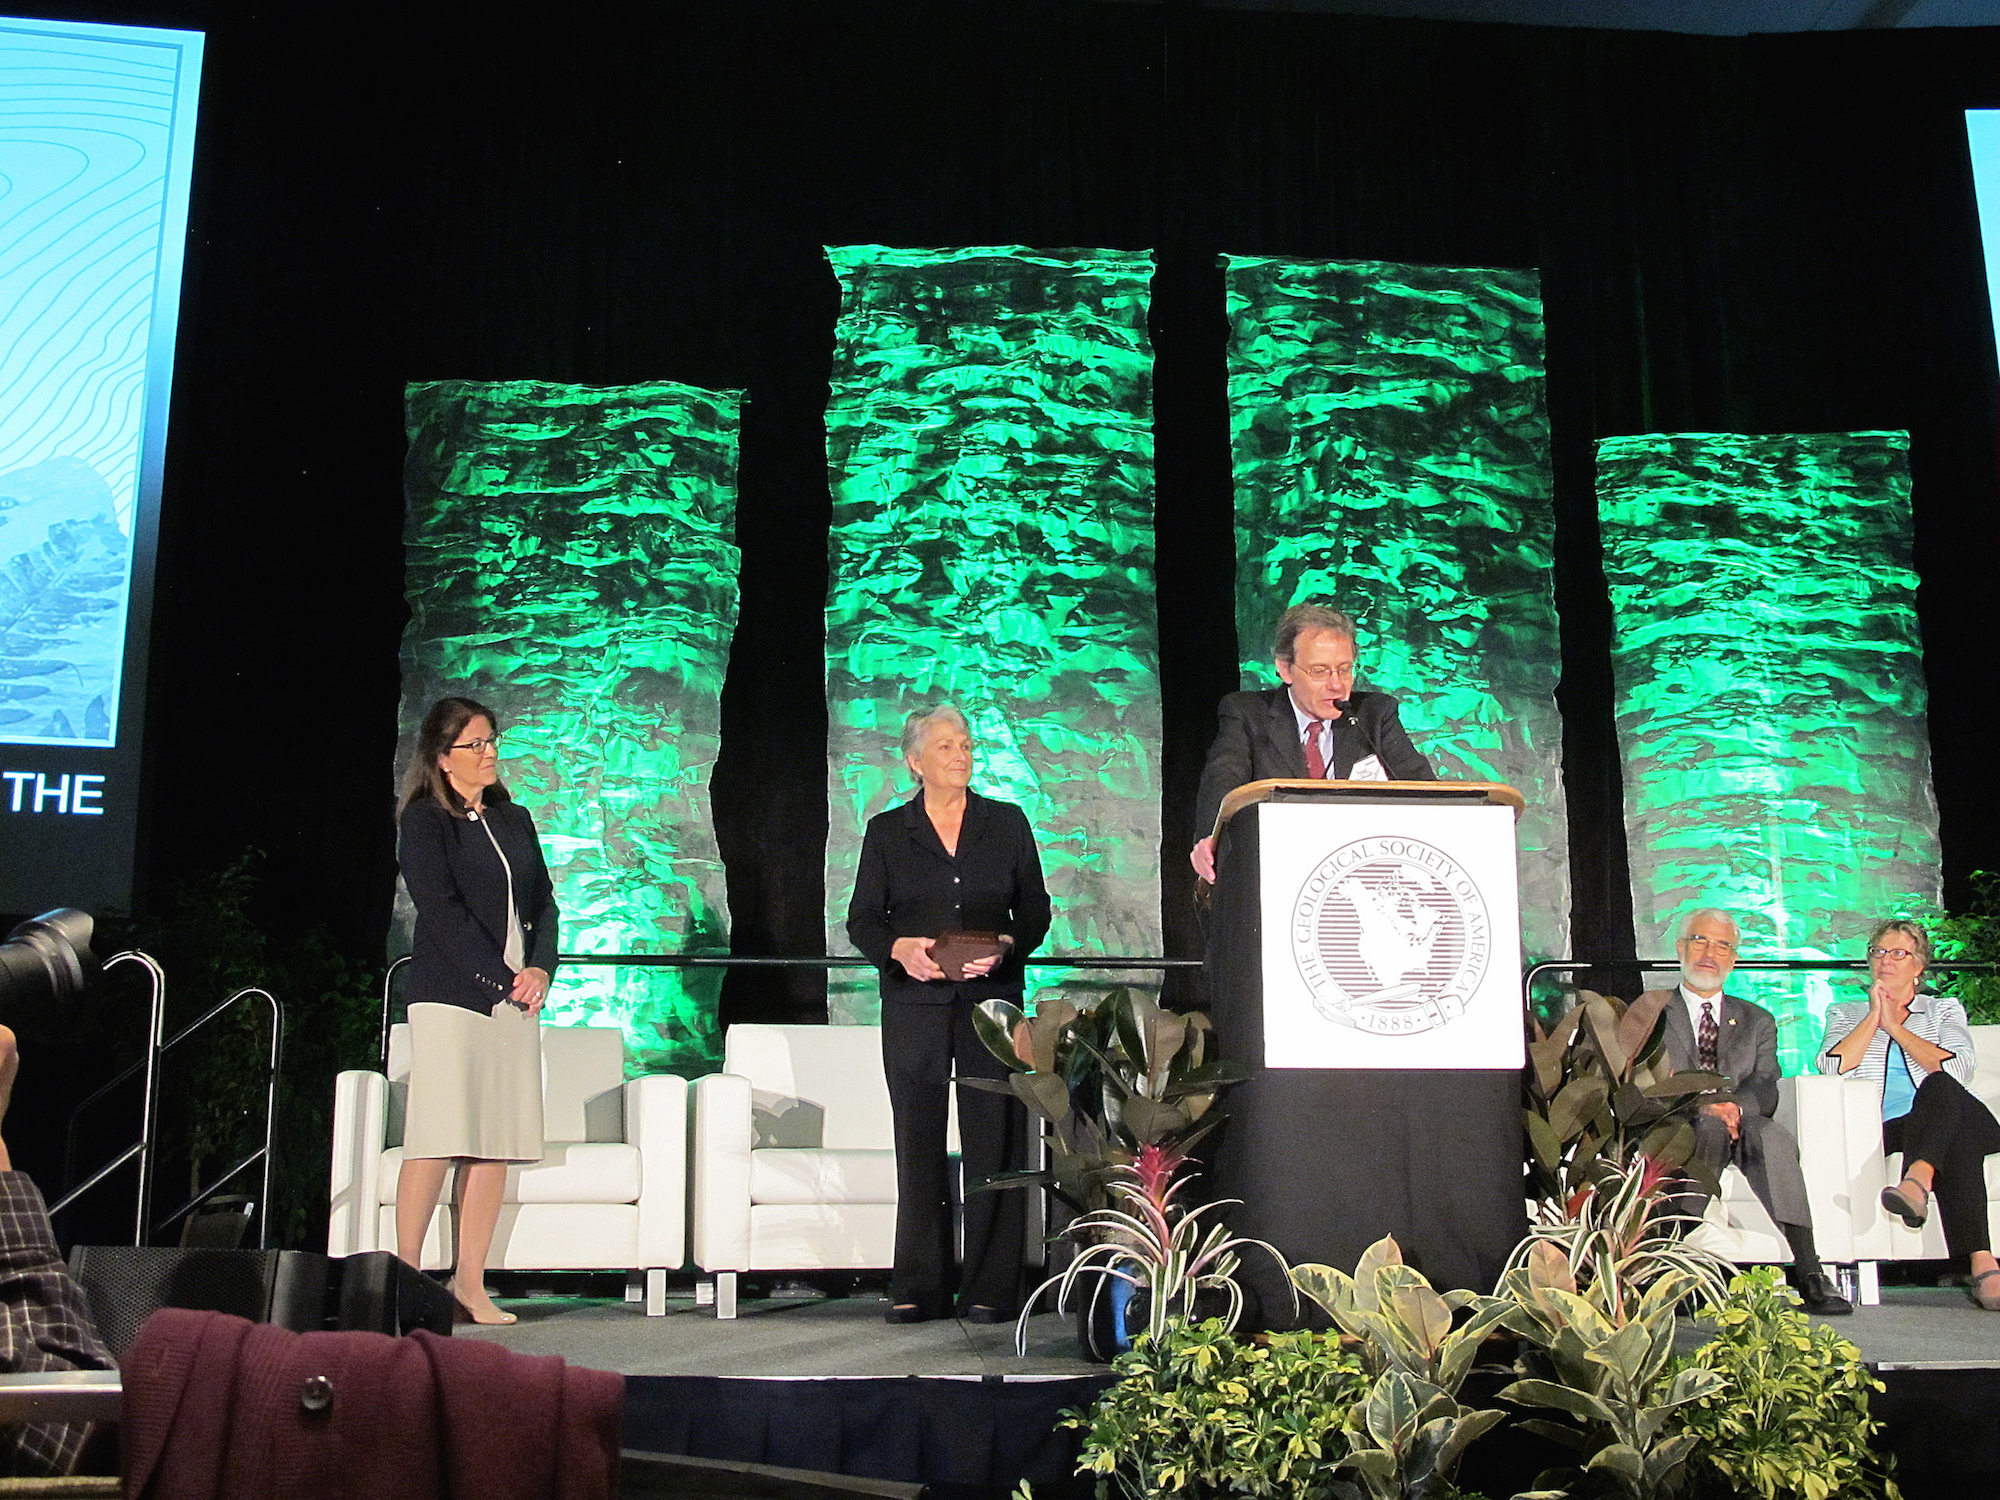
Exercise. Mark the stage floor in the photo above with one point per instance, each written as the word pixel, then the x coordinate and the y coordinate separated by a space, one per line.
pixel 1914 1328
pixel 820 1338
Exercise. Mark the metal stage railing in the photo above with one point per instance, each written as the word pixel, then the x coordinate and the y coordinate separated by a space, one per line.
pixel 1743 965
pixel 760 961
pixel 157 1047
pixel 1529 976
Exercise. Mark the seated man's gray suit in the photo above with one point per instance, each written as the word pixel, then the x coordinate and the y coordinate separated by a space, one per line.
pixel 1746 1048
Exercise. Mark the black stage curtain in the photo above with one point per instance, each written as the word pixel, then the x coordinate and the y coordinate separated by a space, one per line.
pixel 1773 233
pixel 966 1438
pixel 958 1437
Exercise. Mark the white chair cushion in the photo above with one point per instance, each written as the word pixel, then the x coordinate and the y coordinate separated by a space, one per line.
pixel 813 1085
pixel 589 1172
pixel 804 1176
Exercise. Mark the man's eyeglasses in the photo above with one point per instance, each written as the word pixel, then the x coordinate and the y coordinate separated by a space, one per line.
pixel 1321 674
pixel 1720 945
pixel 476 746
pixel 1899 954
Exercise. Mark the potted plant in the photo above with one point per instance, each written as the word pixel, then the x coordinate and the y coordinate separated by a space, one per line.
pixel 1199 1412
pixel 1600 1095
pixel 1593 1293
pixel 1792 1415
pixel 1407 1430
pixel 1124 1090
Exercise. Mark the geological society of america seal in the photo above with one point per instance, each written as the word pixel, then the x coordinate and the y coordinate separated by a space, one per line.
pixel 1391 936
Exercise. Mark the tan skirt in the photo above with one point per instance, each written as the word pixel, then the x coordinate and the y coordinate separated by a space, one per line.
pixel 475 1084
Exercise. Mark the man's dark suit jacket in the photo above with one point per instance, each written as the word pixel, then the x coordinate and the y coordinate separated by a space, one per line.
pixel 907 886
pixel 1257 738
pixel 460 890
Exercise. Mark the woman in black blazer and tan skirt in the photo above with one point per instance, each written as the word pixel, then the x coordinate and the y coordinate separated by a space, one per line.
pixel 948 859
pixel 480 962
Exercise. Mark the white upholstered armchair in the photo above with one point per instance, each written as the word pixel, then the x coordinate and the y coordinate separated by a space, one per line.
pixel 1846 1139
pixel 1736 1226
pixel 794 1155
pixel 611 1194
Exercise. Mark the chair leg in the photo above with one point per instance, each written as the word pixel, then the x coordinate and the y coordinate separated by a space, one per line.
pixel 1868 1276
pixel 656 1291
pixel 725 1294
pixel 635 1286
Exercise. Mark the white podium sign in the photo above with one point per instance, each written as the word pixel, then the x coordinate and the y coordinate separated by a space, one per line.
pixel 1391 935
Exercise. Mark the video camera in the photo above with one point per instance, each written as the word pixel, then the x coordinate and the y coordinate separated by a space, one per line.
pixel 45 962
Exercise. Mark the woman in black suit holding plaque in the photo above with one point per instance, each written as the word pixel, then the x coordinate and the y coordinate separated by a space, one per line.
pixel 949 861
pixel 480 961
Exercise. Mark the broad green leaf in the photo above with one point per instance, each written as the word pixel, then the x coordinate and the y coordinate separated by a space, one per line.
pixel 1640 1017
pixel 1391 1410
pixel 997 1023
pixel 1601 1015
pixel 1559 1398
pixel 1330 1288
pixel 1542 1139
pixel 1423 1313
pixel 1580 1099
pixel 1621 1459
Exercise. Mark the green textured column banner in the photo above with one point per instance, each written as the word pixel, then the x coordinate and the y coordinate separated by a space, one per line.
pixel 571 559
pixel 1770 694
pixel 1392 457
pixel 990 447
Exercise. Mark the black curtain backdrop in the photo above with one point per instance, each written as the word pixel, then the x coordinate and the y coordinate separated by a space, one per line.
pixel 1759 234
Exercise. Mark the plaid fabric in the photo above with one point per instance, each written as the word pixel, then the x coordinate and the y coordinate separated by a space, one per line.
pixel 44 1325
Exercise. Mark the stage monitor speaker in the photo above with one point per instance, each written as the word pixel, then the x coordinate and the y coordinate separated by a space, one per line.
pixel 380 1292
pixel 125 1284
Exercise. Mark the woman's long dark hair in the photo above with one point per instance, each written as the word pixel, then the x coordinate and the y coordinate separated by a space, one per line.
pixel 442 726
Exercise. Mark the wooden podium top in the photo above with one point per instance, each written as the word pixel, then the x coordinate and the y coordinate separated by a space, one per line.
pixel 1253 792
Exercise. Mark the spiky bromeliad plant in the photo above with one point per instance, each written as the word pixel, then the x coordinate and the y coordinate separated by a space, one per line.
pixel 1153 1243
pixel 1123 1090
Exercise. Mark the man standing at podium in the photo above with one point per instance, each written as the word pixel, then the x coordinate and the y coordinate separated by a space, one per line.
pixel 1315 726
pixel 1710 1032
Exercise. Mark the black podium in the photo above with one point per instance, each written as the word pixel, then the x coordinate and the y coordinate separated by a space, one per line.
pixel 1327 1159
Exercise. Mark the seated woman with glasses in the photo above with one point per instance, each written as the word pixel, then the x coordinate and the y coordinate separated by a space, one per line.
pixel 1916 1050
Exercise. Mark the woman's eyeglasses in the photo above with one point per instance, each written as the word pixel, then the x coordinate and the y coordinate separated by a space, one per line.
pixel 1899 954
pixel 475 746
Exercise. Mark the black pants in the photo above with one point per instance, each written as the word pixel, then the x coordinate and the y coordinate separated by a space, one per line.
pixel 922 1047
pixel 1949 1128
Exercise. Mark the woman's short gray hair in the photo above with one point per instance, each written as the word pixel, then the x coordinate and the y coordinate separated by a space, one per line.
pixel 1919 939
pixel 917 728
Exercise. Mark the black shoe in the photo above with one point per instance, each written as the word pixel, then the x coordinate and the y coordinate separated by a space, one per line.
pixel 978 1314
pixel 1820 1298
pixel 909 1312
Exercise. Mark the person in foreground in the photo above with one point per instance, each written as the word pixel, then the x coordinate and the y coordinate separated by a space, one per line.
pixel 948 860
pixel 484 949
pixel 1708 1031
pixel 1915 1050
pixel 1314 726
pixel 45 1322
